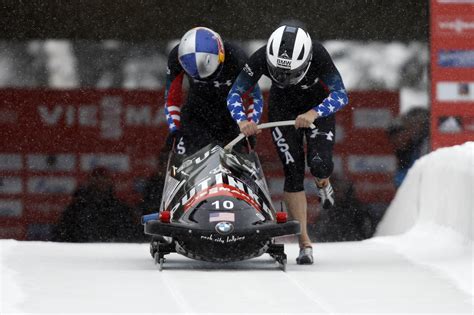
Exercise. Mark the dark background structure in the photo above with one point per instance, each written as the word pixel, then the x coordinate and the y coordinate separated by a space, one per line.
pixel 140 20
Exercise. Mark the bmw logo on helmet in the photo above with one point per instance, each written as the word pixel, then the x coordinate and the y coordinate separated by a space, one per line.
pixel 289 52
pixel 201 52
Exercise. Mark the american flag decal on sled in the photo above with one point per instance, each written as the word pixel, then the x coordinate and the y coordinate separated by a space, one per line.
pixel 221 216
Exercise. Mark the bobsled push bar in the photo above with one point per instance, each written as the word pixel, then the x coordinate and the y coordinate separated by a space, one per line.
pixel 231 144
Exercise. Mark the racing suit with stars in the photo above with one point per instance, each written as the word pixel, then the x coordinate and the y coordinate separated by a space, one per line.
pixel 321 89
pixel 204 118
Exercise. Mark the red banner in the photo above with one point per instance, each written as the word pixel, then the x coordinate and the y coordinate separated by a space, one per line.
pixel 51 140
pixel 452 72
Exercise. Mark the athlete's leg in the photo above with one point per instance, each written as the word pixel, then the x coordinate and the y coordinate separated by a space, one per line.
pixel 289 145
pixel 297 206
pixel 320 143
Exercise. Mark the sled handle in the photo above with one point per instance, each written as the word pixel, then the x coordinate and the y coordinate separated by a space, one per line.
pixel 231 144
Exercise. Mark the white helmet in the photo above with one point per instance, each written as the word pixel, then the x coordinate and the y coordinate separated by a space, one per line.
pixel 289 53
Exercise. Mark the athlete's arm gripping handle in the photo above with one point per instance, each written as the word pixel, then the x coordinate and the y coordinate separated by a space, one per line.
pixel 231 144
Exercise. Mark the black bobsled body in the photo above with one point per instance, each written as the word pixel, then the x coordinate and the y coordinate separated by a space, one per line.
pixel 219 209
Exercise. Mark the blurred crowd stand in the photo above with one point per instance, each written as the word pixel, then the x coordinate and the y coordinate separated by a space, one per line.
pixel 409 136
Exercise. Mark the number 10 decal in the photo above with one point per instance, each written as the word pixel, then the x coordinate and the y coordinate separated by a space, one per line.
pixel 227 204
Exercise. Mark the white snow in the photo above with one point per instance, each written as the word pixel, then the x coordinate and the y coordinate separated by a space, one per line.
pixel 419 262
pixel 438 189
pixel 434 210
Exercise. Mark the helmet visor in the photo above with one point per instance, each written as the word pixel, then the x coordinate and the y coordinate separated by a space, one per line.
pixel 286 77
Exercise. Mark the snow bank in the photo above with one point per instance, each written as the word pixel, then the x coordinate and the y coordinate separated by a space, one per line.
pixel 10 292
pixel 438 189
pixel 430 219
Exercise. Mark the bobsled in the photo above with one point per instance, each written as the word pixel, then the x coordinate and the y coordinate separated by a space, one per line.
pixel 216 207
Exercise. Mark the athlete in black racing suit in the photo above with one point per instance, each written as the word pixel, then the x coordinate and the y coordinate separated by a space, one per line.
pixel 211 66
pixel 307 87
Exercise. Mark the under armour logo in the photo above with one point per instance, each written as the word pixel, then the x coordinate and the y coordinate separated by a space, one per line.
pixel 306 86
pixel 218 84
pixel 285 55
pixel 329 135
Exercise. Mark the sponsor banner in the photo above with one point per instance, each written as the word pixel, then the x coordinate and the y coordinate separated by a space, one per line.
pixel 456 58
pixel 11 208
pixel 450 124
pixel 456 1
pixel 144 116
pixel 146 162
pixel 45 207
pixel 338 165
pixel 124 131
pixel 371 187
pixel 111 124
pixel 372 163
pixel 11 185
pixel 452 98
pixel 455 91
pixel 82 121
pixel 114 162
pixel 51 162
pixel 8 116
pixel 372 118
pixel 51 185
pixel 110 116
pixel 468 124
pixel 13 232
pixel 10 162
pixel 454 25
pixel 340 133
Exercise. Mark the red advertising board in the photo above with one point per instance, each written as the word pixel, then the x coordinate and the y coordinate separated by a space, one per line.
pixel 452 72
pixel 51 140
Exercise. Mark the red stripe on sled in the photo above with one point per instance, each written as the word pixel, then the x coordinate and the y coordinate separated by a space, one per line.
pixel 222 190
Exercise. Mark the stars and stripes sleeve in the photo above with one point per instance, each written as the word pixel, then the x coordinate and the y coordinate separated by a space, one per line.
pixel 255 108
pixel 173 92
pixel 332 82
pixel 246 83
pixel 241 87
pixel 336 99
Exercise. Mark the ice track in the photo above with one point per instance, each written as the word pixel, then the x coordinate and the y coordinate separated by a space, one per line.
pixel 363 277
pixel 420 262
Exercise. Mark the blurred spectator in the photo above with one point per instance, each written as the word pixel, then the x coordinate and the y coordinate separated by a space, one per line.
pixel 409 136
pixel 95 214
pixel 348 220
